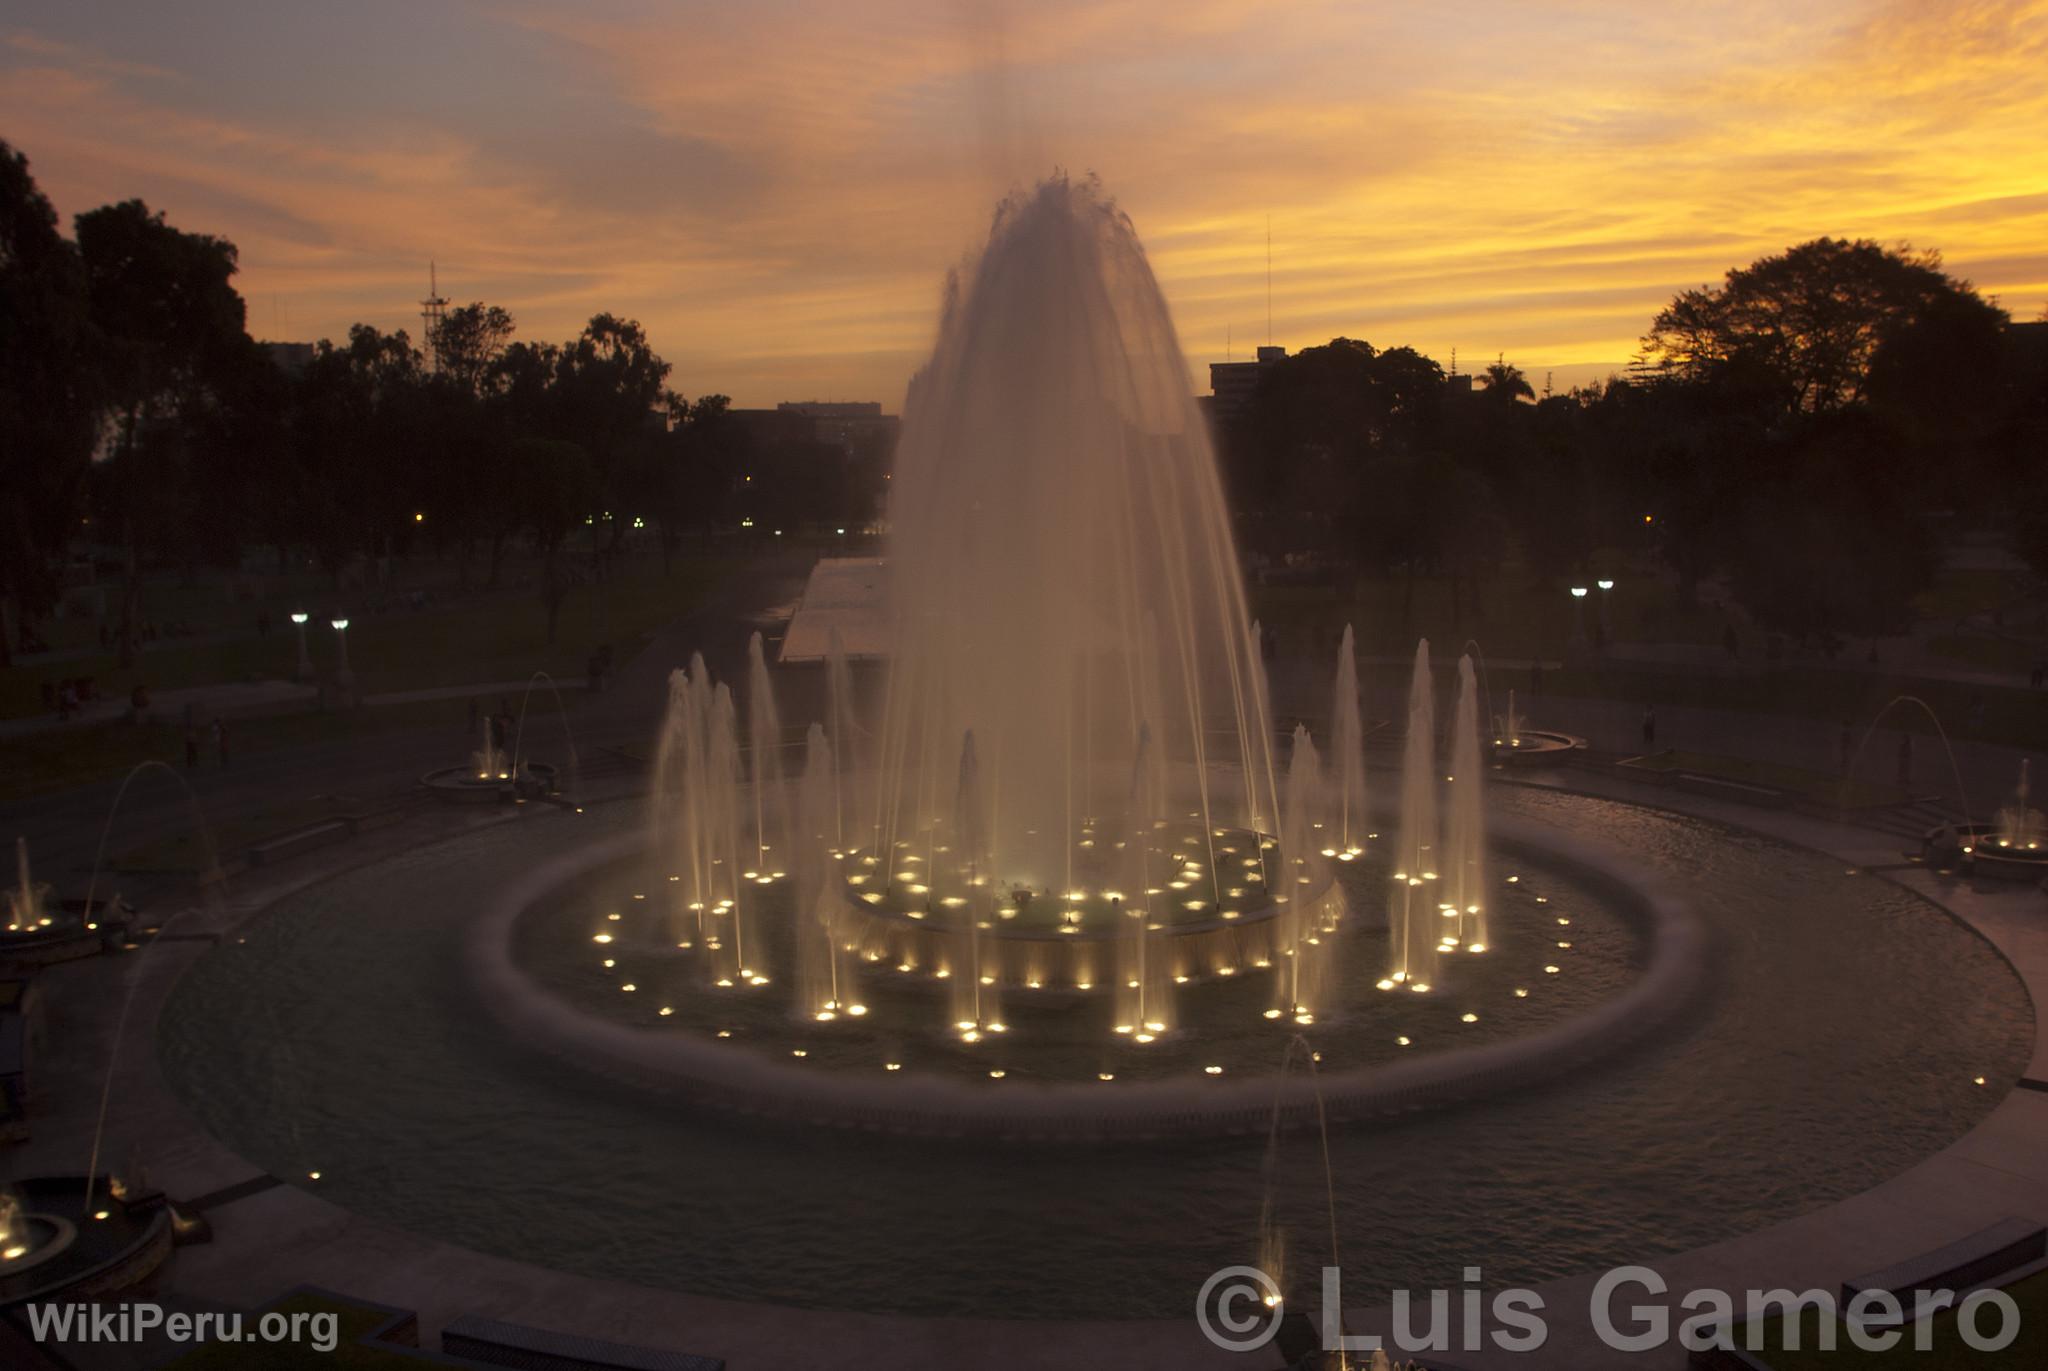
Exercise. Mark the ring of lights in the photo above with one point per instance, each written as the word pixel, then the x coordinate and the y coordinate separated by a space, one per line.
pixel 732 1077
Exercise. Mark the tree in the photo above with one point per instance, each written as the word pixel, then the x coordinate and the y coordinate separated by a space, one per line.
pixel 609 385
pixel 170 324
pixel 1823 550
pixel 1809 321
pixel 48 398
pixel 358 445
pixel 469 342
pixel 553 483
pixel 1506 383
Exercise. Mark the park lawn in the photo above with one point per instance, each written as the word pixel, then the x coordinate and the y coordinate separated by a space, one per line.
pixel 2016 716
pixel 1947 1352
pixel 487 637
pixel 42 762
pixel 1809 785
pixel 1986 653
pixel 1958 592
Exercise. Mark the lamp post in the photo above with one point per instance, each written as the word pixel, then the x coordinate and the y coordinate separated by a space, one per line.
pixel 1578 616
pixel 1606 626
pixel 305 659
pixel 342 677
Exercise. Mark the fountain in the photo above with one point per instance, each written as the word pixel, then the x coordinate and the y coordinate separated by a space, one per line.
pixel 1464 865
pixel 25 902
pixel 1060 844
pixel 2012 847
pixel 1515 743
pixel 493 773
pixel 43 929
pixel 1412 912
pixel 1347 741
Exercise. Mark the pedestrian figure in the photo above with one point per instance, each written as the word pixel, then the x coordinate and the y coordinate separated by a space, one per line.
pixel 220 741
pixel 1649 727
pixel 2040 674
pixel 1730 642
pixel 1535 678
pixel 191 748
pixel 1906 759
pixel 1977 714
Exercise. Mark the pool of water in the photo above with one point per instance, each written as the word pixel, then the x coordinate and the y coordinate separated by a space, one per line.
pixel 1554 950
pixel 1839 1046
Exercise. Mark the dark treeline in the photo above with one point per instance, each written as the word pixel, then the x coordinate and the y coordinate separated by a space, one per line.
pixel 138 416
pixel 1791 430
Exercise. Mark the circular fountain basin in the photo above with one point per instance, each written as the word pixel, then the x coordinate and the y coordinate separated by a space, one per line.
pixel 70 929
pixel 1993 853
pixel 588 964
pixel 1535 747
pixel 467 785
pixel 75 1253
pixel 334 1039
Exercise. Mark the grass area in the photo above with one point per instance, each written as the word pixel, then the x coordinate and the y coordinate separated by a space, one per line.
pixel 459 637
pixel 41 762
pixel 1957 592
pixel 1986 653
pixel 1809 785
pixel 352 1322
pixel 2015 716
pixel 1946 1351
pixel 1510 615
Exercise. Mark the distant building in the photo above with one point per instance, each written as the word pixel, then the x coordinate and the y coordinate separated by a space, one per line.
pixel 853 427
pixel 1459 383
pixel 1233 384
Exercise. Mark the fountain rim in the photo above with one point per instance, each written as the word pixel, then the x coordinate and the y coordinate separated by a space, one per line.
pixel 739 1080
pixel 451 782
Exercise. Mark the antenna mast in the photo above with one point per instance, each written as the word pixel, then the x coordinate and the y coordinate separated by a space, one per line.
pixel 1269 280
pixel 433 311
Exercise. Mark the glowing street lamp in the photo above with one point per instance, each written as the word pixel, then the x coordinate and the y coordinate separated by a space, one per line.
pixel 305 659
pixel 1578 616
pixel 340 627
pixel 1605 630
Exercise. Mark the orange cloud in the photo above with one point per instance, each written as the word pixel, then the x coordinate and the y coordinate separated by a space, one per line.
pixel 776 189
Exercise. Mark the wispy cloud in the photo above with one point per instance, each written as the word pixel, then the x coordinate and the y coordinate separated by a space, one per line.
pixel 776 188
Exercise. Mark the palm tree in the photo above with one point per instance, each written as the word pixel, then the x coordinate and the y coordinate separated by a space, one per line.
pixel 1507 382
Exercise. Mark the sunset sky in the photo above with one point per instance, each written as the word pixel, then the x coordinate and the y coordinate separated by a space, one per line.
pixel 775 188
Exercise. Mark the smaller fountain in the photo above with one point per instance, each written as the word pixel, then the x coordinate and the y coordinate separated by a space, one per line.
pixel 490 760
pixel 1517 744
pixel 58 1243
pixel 42 929
pixel 25 903
pixel 492 774
pixel 2013 848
